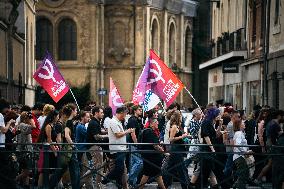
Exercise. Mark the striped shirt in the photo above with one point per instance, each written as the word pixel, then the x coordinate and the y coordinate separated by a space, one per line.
pixel 194 127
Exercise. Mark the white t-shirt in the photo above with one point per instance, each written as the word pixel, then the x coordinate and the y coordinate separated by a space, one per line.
pixel 239 139
pixel 41 120
pixel 115 126
pixel 107 122
pixel 167 133
pixel 2 135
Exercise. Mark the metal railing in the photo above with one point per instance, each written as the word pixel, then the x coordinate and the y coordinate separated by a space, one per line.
pixel 200 157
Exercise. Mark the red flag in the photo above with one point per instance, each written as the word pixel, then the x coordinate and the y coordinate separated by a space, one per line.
pixel 164 82
pixel 49 77
pixel 115 99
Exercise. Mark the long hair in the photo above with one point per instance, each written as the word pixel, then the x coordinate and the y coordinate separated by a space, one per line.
pixel 107 113
pixel 211 114
pixel 50 118
pixel 25 118
pixel 176 119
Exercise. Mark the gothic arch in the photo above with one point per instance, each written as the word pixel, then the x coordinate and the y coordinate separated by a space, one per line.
pixel 155 34
pixel 172 36
pixel 188 47
pixel 67 39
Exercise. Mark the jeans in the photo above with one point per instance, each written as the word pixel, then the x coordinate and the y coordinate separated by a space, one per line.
pixel 117 172
pixel 136 165
pixel 74 171
pixel 229 165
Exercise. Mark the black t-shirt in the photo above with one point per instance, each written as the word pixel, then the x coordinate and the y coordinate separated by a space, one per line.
pixel 272 131
pixel 135 123
pixel 208 130
pixel 93 129
pixel 149 136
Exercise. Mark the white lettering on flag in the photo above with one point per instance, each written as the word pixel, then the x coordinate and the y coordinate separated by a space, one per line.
pixel 170 90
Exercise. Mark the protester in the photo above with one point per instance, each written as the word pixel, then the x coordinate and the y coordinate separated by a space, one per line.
pixel 278 163
pixel 7 174
pixel 273 130
pixel 25 140
pixel 48 135
pixel 107 117
pixel 250 124
pixel 152 162
pixel 95 135
pixel 208 135
pixel 193 131
pixel 68 159
pixel 176 164
pixel 36 112
pixel 46 109
pixel 239 159
pixel 10 135
pixel 136 162
pixel 235 117
pixel 117 136
pixel 81 135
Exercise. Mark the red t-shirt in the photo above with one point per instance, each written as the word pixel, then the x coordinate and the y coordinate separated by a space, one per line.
pixel 35 131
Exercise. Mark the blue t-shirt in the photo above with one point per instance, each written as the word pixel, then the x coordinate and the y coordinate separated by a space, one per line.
pixel 81 136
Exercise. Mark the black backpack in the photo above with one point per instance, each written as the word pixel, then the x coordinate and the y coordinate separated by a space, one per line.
pixel 140 138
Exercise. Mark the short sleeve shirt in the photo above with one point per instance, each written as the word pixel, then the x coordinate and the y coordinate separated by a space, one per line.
pixel 135 123
pixel 107 122
pixel 239 139
pixel 116 127
pixel 2 135
pixel 93 129
pixel 208 130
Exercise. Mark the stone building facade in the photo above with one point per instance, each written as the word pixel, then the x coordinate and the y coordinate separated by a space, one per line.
pixel 93 40
pixel 17 42
pixel 275 55
pixel 228 43
pixel 246 36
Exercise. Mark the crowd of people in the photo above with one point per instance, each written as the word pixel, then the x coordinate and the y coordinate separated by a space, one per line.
pixel 90 148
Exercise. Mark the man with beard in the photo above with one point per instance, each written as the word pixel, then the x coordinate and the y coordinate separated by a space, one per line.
pixel 95 135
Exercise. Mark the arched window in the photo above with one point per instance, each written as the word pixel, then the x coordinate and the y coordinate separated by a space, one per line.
pixel 67 40
pixel 188 48
pixel 44 37
pixel 172 45
pixel 155 36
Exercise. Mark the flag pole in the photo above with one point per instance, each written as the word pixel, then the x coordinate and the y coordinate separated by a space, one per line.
pixel 192 97
pixel 75 100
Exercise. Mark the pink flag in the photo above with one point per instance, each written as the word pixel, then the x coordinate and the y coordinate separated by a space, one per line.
pixel 49 77
pixel 163 81
pixel 140 89
pixel 115 99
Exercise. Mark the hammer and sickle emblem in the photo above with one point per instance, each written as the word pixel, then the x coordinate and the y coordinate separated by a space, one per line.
pixel 115 98
pixel 157 73
pixel 49 70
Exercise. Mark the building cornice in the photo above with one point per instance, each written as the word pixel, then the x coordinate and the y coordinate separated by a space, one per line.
pixel 185 7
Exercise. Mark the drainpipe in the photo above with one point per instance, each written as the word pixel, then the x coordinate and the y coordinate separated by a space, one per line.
pixel 134 42
pixel 267 3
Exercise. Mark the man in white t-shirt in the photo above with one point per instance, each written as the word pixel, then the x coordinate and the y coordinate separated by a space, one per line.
pixel 117 136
